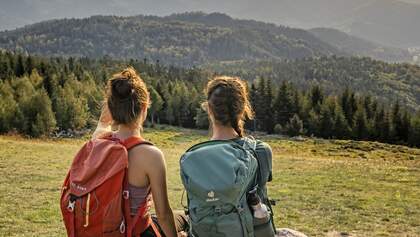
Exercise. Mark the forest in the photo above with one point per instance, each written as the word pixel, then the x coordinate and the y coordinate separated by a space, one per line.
pixel 41 96
pixel 384 81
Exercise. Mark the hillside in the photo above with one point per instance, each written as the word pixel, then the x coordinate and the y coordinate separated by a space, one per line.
pixel 360 47
pixel 358 188
pixel 187 39
pixel 390 22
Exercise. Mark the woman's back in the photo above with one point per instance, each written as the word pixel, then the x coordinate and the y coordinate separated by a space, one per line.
pixel 127 102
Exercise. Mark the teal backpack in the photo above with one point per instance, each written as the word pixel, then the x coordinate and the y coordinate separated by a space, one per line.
pixel 217 176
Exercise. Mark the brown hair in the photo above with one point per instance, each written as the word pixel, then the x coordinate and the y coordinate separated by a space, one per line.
pixel 127 95
pixel 227 97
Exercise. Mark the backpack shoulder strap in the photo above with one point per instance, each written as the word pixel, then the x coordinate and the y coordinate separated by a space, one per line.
pixel 132 142
pixel 138 219
pixel 211 142
pixel 250 143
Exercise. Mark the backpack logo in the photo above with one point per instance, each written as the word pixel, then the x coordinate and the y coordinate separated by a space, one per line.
pixel 212 197
pixel 76 186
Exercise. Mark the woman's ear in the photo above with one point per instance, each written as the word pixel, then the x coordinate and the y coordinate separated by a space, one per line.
pixel 210 114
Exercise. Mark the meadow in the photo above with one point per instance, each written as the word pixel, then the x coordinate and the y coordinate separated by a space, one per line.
pixel 324 187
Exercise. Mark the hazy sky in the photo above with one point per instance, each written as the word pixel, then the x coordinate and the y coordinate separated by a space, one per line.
pixel 412 1
pixel 16 13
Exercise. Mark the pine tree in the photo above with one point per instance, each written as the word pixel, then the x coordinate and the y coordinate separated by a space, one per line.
pixel 156 105
pixel 19 68
pixel 316 96
pixel 414 135
pixel 381 125
pixel 360 127
pixel 254 103
pixel 29 65
pixel 341 127
pixel 397 123
pixel 268 101
pixel 283 105
pixel 368 106
pixel 162 89
pixel 405 126
pixel 260 106
pixel 326 117
pixel 349 105
pixel 313 123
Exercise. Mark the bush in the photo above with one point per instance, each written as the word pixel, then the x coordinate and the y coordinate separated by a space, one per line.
pixel 294 127
pixel 278 129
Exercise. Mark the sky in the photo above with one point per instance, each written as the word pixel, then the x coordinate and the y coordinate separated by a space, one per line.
pixel 376 20
pixel 16 13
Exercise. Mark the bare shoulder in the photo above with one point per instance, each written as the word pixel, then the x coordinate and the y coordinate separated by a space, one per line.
pixel 146 153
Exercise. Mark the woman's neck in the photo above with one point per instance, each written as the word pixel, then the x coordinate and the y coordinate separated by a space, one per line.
pixel 223 132
pixel 125 132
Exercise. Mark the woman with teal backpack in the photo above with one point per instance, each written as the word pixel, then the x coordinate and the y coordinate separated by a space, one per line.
pixel 225 177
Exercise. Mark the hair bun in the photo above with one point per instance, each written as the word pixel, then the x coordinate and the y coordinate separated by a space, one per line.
pixel 122 88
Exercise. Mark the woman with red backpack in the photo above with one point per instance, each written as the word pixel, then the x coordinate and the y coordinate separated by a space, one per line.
pixel 115 176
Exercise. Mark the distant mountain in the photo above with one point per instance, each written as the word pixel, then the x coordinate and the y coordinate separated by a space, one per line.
pixel 389 22
pixel 182 39
pixel 360 47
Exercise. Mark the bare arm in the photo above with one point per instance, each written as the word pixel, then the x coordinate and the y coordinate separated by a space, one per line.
pixel 104 124
pixel 156 173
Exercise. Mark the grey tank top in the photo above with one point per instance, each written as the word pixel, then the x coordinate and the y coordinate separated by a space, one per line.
pixel 137 196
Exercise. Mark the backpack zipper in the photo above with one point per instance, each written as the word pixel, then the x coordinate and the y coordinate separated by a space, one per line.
pixel 87 211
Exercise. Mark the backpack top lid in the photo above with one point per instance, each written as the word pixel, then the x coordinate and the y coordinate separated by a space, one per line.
pixel 97 161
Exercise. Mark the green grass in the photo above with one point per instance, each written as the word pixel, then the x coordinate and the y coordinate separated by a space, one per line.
pixel 359 188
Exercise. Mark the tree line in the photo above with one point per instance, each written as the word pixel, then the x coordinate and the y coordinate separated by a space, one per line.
pixel 384 81
pixel 286 110
pixel 40 96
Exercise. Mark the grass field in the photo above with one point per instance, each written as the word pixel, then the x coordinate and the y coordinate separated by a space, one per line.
pixel 324 187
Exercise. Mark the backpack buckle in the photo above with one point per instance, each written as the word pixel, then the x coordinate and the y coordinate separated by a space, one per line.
pixel 126 194
pixel 122 227
pixel 240 209
pixel 71 205
pixel 218 210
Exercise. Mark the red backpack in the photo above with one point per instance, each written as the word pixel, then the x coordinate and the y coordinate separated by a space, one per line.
pixel 95 197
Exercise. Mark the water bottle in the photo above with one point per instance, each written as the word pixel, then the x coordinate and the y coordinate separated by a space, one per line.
pixel 262 217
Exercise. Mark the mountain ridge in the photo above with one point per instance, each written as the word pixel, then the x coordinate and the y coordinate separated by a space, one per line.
pixel 363 18
pixel 360 47
pixel 186 39
pixel 173 39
